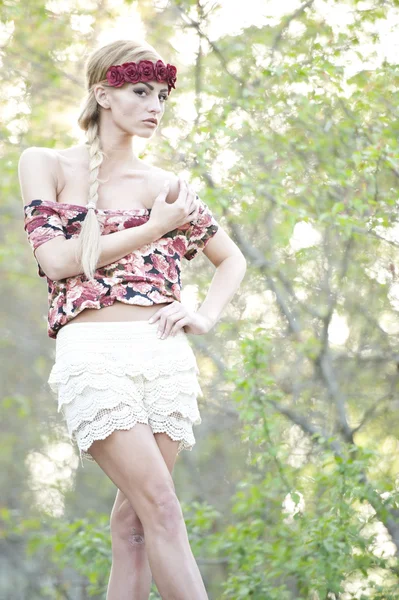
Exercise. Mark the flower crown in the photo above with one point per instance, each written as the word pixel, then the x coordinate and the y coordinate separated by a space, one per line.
pixel 145 70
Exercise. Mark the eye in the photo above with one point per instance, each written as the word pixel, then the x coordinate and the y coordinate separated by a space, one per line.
pixel 165 97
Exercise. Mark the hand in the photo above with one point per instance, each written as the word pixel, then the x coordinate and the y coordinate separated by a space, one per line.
pixel 167 216
pixel 176 316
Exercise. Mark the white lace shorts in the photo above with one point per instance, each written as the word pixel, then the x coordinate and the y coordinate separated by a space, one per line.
pixel 112 375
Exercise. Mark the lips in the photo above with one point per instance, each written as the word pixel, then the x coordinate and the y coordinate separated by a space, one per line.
pixel 151 121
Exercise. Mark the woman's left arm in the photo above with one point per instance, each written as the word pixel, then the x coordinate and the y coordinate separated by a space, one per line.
pixel 225 282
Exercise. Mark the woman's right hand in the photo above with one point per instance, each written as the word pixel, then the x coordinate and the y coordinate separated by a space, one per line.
pixel 167 216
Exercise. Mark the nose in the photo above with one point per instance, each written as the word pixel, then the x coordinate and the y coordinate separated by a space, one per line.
pixel 154 112
pixel 155 107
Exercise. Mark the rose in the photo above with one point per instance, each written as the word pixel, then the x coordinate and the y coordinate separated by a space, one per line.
pixel 161 71
pixel 171 75
pixel 115 76
pixel 146 70
pixel 132 72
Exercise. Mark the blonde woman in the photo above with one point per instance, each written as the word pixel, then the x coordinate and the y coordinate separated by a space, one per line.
pixel 109 238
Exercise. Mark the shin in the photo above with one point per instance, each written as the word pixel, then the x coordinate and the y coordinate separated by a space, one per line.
pixel 130 575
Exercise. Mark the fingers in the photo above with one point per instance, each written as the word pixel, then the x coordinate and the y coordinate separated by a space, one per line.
pixel 179 325
pixel 194 208
pixel 188 196
pixel 166 324
pixel 168 318
pixel 183 188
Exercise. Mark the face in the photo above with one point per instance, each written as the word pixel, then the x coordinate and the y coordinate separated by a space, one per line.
pixel 130 105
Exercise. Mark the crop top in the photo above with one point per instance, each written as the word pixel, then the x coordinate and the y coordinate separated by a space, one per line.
pixel 146 276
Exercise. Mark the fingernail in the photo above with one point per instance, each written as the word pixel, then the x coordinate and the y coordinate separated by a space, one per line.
pixel 158 333
pixel 150 320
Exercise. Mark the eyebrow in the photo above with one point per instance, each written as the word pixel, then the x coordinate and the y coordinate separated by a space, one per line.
pixel 151 87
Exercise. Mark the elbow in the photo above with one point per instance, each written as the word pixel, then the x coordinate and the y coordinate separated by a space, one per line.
pixel 241 260
pixel 58 273
pixel 237 259
pixel 62 269
pixel 51 273
pixel 55 270
pixel 47 268
pixel 241 264
pixel 51 260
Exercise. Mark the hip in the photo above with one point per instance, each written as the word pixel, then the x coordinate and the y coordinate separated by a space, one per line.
pixel 133 341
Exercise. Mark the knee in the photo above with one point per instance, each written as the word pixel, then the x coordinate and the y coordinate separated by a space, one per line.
pixel 167 512
pixel 125 525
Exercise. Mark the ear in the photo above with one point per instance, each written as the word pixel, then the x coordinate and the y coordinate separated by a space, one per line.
pixel 101 94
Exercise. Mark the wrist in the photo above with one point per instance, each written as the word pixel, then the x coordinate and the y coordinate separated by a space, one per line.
pixel 210 322
pixel 155 231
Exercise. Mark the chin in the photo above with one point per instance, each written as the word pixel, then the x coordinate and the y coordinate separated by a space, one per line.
pixel 144 136
pixel 141 134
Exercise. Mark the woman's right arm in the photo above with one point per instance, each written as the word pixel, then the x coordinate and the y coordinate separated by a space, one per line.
pixel 37 171
pixel 60 252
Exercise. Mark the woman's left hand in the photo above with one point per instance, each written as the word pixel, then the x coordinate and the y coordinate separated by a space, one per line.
pixel 176 316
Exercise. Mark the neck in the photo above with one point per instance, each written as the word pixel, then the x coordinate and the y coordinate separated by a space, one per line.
pixel 120 157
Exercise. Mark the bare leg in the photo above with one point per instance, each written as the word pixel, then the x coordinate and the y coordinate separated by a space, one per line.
pixel 133 461
pixel 130 575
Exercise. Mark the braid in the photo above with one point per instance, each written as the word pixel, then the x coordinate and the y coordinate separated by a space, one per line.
pixel 88 250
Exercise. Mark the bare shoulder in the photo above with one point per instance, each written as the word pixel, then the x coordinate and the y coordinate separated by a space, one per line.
pixel 38 157
pixel 37 171
pixel 158 176
pixel 41 151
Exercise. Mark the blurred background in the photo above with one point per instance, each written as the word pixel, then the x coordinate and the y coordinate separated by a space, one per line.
pixel 285 120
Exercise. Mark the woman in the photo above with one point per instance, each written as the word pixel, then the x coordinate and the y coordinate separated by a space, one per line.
pixel 111 255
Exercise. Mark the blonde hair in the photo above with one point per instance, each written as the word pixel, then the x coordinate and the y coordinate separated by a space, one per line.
pixel 115 53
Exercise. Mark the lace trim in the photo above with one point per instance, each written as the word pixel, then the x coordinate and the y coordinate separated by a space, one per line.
pixel 178 429
pixel 165 388
pixel 151 369
pixel 86 407
pixel 172 394
pixel 98 397
pixel 121 416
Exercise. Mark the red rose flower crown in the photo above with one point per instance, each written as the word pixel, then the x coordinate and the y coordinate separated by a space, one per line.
pixel 145 70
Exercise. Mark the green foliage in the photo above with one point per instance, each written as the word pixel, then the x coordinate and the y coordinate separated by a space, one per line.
pixel 83 546
pixel 294 148
pixel 297 527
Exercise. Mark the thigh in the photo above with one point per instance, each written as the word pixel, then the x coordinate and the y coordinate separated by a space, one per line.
pixel 133 461
pixel 122 508
pixel 168 449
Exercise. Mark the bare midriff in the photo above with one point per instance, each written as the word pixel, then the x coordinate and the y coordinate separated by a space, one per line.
pixel 119 311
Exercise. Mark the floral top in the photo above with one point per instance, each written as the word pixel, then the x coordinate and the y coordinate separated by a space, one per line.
pixel 149 275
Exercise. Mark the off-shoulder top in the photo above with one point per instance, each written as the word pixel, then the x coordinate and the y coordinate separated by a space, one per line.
pixel 146 276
